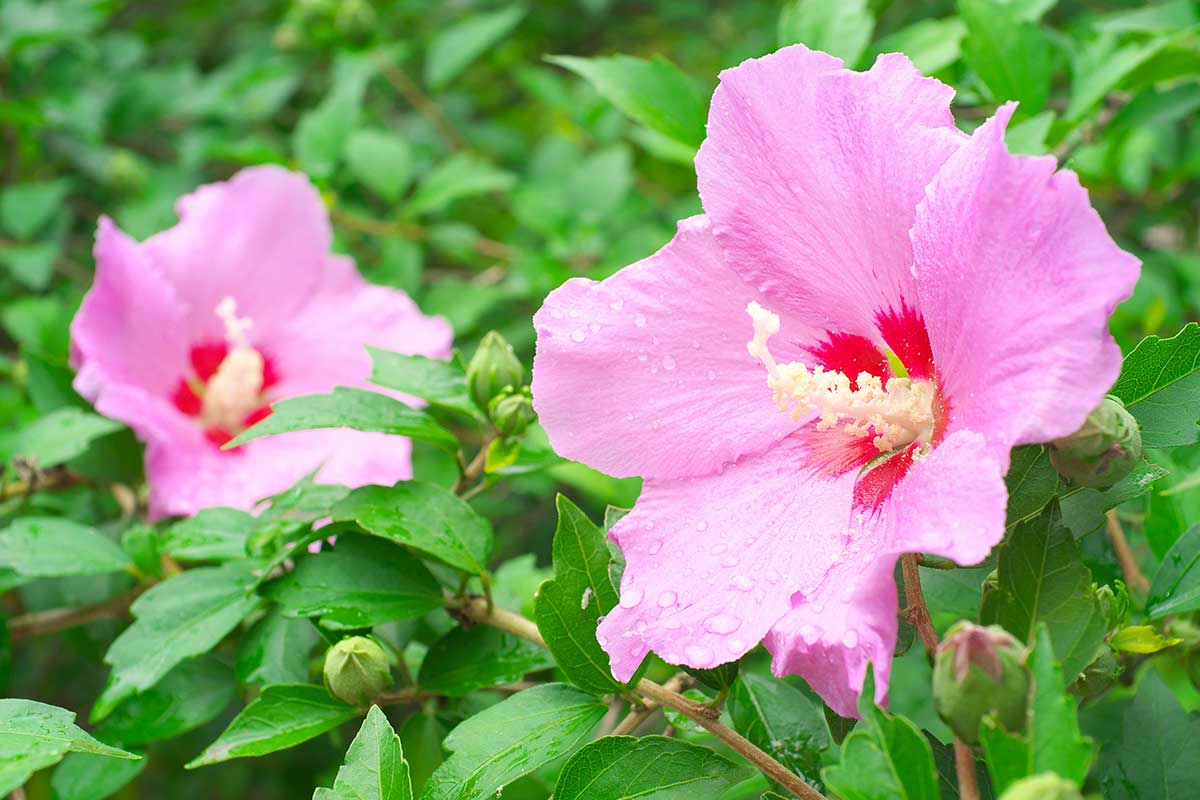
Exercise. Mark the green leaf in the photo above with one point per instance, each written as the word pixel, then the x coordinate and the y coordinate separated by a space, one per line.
pixel 212 534
pixel 1176 586
pixel 467 659
pixel 782 721
pixel 382 161
pixel 1101 66
pixel 1042 579
pixel 1153 752
pixel 654 93
pixel 1160 386
pixel 188 696
pixel 569 606
pixel 513 738
pixel 422 734
pixel 462 175
pixel 931 44
pixel 359 583
pixel 276 650
pixel 184 616
pixel 374 768
pixel 1032 483
pixel 441 383
pixel 30 264
pixel 345 407
pixel 1053 742
pixel 282 716
pixel 424 517
pixel 886 757
pixel 46 547
pixel 841 28
pixel 1140 639
pixel 26 208
pixel 625 767
pixel 457 46
pixel 34 736
pixel 61 436
pixel 84 776
pixel 1083 510
pixel 321 134
pixel 1012 55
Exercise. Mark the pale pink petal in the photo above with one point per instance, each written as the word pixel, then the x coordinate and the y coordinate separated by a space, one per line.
pixel 262 237
pixel 187 475
pixel 1016 278
pixel 324 344
pixel 647 373
pixel 712 562
pixel 811 175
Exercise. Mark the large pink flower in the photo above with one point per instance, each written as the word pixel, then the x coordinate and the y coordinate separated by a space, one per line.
pixel 852 219
pixel 189 336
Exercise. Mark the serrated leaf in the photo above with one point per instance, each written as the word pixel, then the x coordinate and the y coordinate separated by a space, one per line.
pixel 1160 386
pixel 1042 579
pixel 374 768
pixel 886 757
pixel 655 93
pixel 625 767
pixel 47 547
pixel 424 517
pixel 276 650
pixel 188 696
pixel 1083 510
pixel 455 47
pixel 61 436
pixel 568 607
pixel 361 582
pixel 184 616
pixel 282 716
pixel 782 721
pixel 841 28
pixel 1176 586
pixel 1053 742
pixel 440 383
pixel 513 738
pixel 345 407
pixel 212 534
pixel 34 736
pixel 1011 54
pixel 381 161
pixel 467 659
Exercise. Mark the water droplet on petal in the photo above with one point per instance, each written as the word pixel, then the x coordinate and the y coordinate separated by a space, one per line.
pixel 722 623
pixel 631 597
pixel 640 320
pixel 850 639
pixel 594 328
pixel 702 526
pixel 617 305
pixel 717 549
pixel 655 546
pixel 698 655
pixel 742 583
pixel 736 646
pixel 730 561
pixel 666 599
pixel 809 634
pixel 772 576
pixel 556 314
pixel 668 363
pixel 578 336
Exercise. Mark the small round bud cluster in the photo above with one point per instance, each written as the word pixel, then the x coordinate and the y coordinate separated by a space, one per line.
pixel 1102 451
pixel 512 412
pixel 357 670
pixel 980 671
pixel 496 381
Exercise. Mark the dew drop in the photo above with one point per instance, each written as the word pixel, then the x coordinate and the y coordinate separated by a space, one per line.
pixel 701 526
pixel 642 357
pixel 573 313
pixel 730 561
pixel 850 639
pixel 668 363
pixel 655 546
pixel 772 576
pixel 722 623
pixel 736 646
pixel 631 597
pixel 809 634
pixel 556 314
pixel 742 583
pixel 698 655
pixel 617 305
pixel 578 336
pixel 594 327
pixel 671 625
pixel 640 320
pixel 666 599
pixel 711 375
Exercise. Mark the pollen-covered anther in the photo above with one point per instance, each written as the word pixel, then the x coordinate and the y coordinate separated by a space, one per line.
pixel 894 414
pixel 235 389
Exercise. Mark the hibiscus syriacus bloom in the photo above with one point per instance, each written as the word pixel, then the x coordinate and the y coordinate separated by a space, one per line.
pixel 933 302
pixel 189 336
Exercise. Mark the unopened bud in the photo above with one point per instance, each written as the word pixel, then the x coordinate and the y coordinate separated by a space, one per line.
pixel 1102 451
pixel 1044 786
pixel 494 368
pixel 512 412
pixel 1113 603
pixel 980 671
pixel 1098 675
pixel 357 670
pixel 355 19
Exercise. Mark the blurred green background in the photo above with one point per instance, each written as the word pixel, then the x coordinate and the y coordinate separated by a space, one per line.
pixel 463 166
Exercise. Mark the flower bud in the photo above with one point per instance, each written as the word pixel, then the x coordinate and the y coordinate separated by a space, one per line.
pixel 512 412
pixel 1113 602
pixel 494 368
pixel 355 19
pixel 1102 451
pixel 980 671
pixel 1098 675
pixel 1044 786
pixel 357 670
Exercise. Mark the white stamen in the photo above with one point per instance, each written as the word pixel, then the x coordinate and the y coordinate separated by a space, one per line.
pixel 235 389
pixel 235 326
pixel 897 414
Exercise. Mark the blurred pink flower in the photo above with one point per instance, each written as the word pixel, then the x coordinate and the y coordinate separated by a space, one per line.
pixel 848 204
pixel 188 337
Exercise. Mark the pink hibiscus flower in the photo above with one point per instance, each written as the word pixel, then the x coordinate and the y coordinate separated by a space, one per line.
pixel 935 301
pixel 189 336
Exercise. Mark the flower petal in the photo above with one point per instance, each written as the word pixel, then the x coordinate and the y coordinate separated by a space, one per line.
pixel 262 237
pixel 647 373
pixel 811 175
pixel 1017 278
pixel 712 562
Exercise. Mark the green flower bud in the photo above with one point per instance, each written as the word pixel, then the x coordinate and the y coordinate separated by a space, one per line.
pixel 980 671
pixel 1044 786
pixel 1102 451
pixel 357 670
pixel 355 19
pixel 494 368
pixel 512 412
pixel 1114 604
pixel 1098 675
pixel 125 171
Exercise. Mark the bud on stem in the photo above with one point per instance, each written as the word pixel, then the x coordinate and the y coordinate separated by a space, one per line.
pixel 1104 449
pixel 357 670
pixel 493 369
pixel 980 671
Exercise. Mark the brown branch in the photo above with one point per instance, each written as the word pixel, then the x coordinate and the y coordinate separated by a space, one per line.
pixel 407 88
pixel 642 711
pixel 39 482
pixel 472 471
pixel 1129 566
pixel 43 623
pixel 476 609
pixel 918 614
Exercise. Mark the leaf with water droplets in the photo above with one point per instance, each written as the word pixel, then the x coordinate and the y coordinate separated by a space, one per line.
pixel 467 659
pixel 1160 385
pixel 1176 586
pixel 45 547
pixel 781 720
